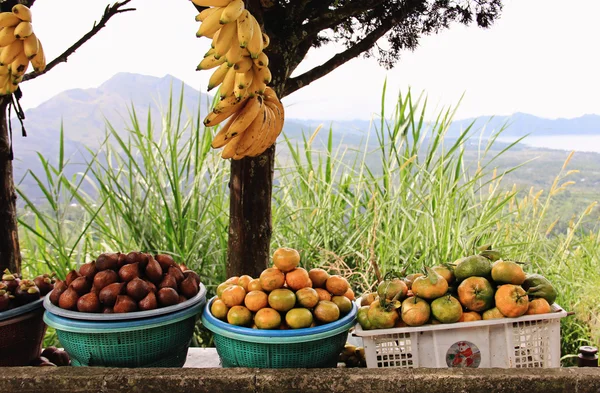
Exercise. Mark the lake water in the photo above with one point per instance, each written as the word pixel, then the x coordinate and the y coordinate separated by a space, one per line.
pixel 582 143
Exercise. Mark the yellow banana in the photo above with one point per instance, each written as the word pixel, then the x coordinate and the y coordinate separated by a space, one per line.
pixel 271 96
pixel 232 11
pixel 240 92
pixel 243 79
pixel 5 82
pixel 226 88
pixel 255 45
pixel 252 133
pixel 244 65
pixel 279 118
pixel 228 105
pixel 23 30
pixel 211 3
pixel 213 36
pixel 31 46
pixel 235 53
pixel 8 19
pixel 9 53
pixel 230 148
pixel 210 52
pixel 268 128
pixel 225 39
pixel 264 74
pixel 245 28
pixel 210 62
pixel 247 114
pixel 257 86
pixel 217 77
pixel 266 40
pixel 7 88
pixel 212 119
pixel 22 12
pixel 204 14
pixel 7 36
pixel 211 24
pixel 19 65
pixel 39 60
pixel 15 80
pixel 219 140
pixel 261 61
pixel 3 71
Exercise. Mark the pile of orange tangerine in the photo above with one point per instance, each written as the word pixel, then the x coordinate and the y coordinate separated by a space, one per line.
pixel 285 296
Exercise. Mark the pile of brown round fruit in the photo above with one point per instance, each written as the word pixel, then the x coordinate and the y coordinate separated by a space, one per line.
pixel 52 357
pixel 477 287
pixel 15 292
pixel 120 283
pixel 284 296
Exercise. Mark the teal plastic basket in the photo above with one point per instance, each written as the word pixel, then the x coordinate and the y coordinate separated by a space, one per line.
pixel 161 341
pixel 296 348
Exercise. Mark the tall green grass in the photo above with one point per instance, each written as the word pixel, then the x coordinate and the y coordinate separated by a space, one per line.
pixel 410 201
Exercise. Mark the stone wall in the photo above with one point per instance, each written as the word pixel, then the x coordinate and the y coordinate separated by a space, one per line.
pixel 216 380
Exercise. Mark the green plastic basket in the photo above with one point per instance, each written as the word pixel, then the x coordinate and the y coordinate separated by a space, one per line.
pixel 300 348
pixel 161 341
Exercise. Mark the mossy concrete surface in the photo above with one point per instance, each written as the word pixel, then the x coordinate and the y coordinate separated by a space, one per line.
pixel 216 380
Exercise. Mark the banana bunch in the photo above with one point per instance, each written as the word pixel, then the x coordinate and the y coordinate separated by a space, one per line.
pixel 253 112
pixel 18 47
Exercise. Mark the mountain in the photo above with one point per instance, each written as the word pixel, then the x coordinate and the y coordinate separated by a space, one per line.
pixel 520 124
pixel 83 114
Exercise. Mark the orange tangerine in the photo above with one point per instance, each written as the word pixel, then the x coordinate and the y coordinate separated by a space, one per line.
pixel 219 310
pixel 538 306
pixel 337 285
pixel 307 297
pixel 254 285
pixel 239 315
pixel 297 279
pixel 298 318
pixel 255 300
pixel 271 278
pixel 350 294
pixel 282 299
pixel 267 318
pixel 318 277
pixel 243 282
pixel 323 294
pixel 326 311
pixel 286 259
pixel 511 300
pixel 233 296
pixel 470 316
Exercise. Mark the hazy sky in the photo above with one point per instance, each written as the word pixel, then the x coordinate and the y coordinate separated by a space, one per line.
pixel 541 57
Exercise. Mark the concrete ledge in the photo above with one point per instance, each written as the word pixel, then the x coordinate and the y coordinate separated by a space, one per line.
pixel 216 380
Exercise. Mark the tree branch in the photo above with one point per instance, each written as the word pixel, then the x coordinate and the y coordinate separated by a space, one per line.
pixel 332 18
pixel 109 12
pixel 305 79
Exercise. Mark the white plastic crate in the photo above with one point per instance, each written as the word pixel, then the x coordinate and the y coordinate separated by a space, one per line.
pixel 527 341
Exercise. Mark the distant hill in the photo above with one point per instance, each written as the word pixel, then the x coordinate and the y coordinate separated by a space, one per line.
pixel 520 124
pixel 83 114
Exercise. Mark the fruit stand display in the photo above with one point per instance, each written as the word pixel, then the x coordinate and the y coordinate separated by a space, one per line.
pixel 481 311
pixel 126 310
pixel 287 317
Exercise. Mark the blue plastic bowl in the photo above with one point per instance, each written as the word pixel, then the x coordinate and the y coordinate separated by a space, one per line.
pixel 159 341
pixel 318 346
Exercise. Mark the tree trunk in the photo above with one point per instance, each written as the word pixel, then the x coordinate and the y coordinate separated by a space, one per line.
pixel 10 255
pixel 251 187
pixel 250 226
